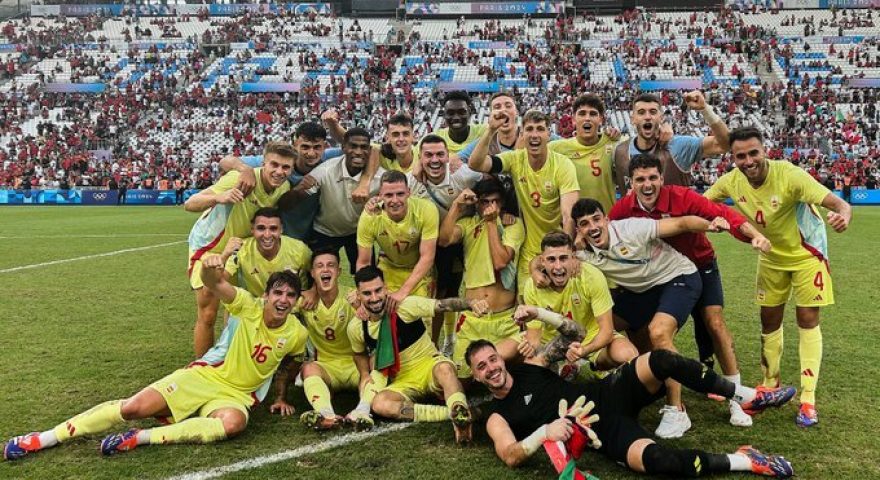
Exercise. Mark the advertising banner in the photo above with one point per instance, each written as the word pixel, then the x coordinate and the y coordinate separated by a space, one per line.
pixel 477 8
pixel 117 10
pixel 100 197
pixel 74 87
pixel 688 84
pixel 864 82
pixel 481 87
pixel 38 197
pixel 266 87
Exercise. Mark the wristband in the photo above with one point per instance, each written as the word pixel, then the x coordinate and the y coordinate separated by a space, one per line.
pixel 533 442
pixel 709 115
pixel 550 318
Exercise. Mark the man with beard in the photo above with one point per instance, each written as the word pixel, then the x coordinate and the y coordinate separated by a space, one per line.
pixel 405 229
pixel 490 254
pixel 581 296
pixel 207 403
pixel 434 181
pixel 780 200
pixel 650 198
pixel 677 154
pixel 333 181
pixel 544 181
pixel 403 352
pixel 310 145
pixel 227 213
pixel 590 151
pixel 530 408
pixel 335 367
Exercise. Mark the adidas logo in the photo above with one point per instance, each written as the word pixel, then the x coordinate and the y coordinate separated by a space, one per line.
pixel 808 373
pixel 817 298
pixel 741 199
pixel 527 398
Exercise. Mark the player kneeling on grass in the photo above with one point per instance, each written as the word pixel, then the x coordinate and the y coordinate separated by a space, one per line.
pixel 404 353
pixel 530 409
pixel 217 397
pixel 335 367
pixel 579 293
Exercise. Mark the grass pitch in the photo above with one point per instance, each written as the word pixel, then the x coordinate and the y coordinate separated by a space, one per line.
pixel 77 333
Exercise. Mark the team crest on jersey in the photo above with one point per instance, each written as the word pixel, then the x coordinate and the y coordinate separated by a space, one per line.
pixel 522 179
pixel 761 294
pixel 575 299
pixel 413 232
pixel 608 148
pixel 171 388
pixel 450 191
pixel 774 202
pixel 256 271
pixel 623 250
pixel 548 186
pixel 281 343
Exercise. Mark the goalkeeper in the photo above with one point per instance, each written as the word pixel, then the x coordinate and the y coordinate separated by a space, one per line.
pixel 530 409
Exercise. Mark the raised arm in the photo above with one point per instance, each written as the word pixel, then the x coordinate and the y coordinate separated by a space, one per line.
pixel 479 159
pixel 670 227
pixel 213 268
pixel 840 213
pixel 247 180
pixel 719 141
pixel 450 233
pixel 565 203
pixel 208 198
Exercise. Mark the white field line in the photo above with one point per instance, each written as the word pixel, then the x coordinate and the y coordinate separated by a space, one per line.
pixel 285 455
pixel 88 257
pixel 118 235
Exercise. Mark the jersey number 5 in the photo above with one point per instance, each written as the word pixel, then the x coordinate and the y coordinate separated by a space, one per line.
pixel 260 353
pixel 594 165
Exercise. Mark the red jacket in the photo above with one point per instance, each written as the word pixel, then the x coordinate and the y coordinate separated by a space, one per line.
pixel 676 201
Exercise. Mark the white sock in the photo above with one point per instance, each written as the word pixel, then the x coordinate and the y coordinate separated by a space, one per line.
pixel 743 394
pixel 732 378
pixel 739 462
pixel 327 413
pixel 363 408
pixel 143 437
pixel 48 439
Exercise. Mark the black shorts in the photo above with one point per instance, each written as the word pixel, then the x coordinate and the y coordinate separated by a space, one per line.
pixel 676 298
pixel 619 398
pixel 713 291
pixel 449 264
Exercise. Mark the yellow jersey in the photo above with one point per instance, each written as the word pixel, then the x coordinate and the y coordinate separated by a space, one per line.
pixel 256 350
pixel 584 297
pixel 217 224
pixel 393 164
pixel 250 270
pixel 414 340
pixel 594 166
pixel 539 193
pixel 477 130
pixel 328 328
pixel 478 268
pixel 783 209
pixel 399 241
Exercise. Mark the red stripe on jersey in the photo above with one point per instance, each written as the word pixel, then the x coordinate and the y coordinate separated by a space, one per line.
pixel 256 400
pixel 459 323
pixel 202 251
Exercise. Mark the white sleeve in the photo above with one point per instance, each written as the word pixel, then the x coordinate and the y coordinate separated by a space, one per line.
pixel 642 230
pixel 320 175
pixel 466 178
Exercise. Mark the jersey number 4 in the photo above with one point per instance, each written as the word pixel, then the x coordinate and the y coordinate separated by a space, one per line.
pixel 260 352
pixel 759 218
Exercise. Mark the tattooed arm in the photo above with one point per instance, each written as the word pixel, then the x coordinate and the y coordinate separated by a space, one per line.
pixel 458 304
pixel 287 371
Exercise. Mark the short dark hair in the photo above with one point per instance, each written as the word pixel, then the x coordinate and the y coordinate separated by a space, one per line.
pixel 536 116
pixel 502 93
pixel 393 176
pixel 433 138
pixel 647 98
pixel 313 131
pixel 475 346
pixel 367 273
pixel 401 119
pixel 326 250
pixel 744 133
pixel 489 186
pixel 557 238
pixel 644 160
pixel 284 277
pixel 356 132
pixel 584 207
pixel 590 100
pixel 280 148
pixel 267 212
pixel 458 95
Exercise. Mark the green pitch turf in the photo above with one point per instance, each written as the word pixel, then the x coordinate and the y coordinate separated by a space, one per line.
pixel 78 333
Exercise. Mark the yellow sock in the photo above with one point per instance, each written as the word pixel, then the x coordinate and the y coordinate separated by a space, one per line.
pixel 771 357
pixel 94 420
pixel 449 323
pixel 371 389
pixel 810 350
pixel 192 430
pixel 457 397
pixel 430 413
pixel 318 394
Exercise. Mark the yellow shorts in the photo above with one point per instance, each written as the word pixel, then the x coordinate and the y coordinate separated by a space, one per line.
pixel 395 277
pixel 343 374
pixel 194 270
pixel 590 372
pixel 811 283
pixel 187 391
pixel 493 327
pixel 416 380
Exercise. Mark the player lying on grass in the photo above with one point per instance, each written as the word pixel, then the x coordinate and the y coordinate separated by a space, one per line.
pixel 216 397
pixel 403 351
pixel 527 411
